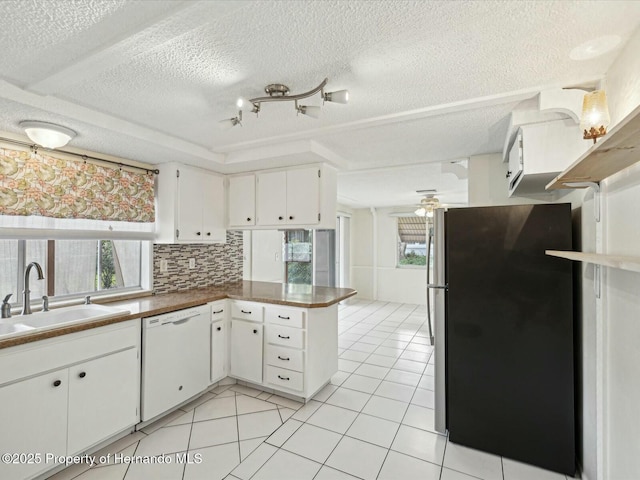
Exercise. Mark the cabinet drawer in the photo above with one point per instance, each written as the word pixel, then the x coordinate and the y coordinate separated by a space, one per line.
pixel 285 378
pixel 291 317
pixel 285 358
pixel 247 311
pixel 287 336
pixel 218 311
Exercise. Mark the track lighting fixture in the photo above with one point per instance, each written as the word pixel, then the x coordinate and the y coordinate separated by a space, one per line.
pixel 278 92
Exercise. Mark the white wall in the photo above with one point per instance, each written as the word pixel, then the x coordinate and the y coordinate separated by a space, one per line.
pixel 263 256
pixel 620 305
pixel 373 254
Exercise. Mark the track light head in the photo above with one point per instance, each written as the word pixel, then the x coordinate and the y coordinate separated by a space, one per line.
pixel 313 112
pixel 247 105
pixel 339 96
pixel 229 123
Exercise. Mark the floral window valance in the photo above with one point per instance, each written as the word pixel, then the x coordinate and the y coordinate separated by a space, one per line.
pixel 32 183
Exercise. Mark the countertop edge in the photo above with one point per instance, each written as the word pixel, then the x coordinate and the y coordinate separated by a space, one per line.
pixel 206 298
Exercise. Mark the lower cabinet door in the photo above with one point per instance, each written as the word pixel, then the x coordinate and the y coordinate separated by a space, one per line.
pixel 246 350
pixel 103 398
pixel 218 350
pixel 33 422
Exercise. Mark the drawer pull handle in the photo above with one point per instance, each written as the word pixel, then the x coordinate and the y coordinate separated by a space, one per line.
pixel 286 359
pixel 283 378
pixel 219 311
pixel 248 313
pixel 284 318
pixel 82 374
pixel 286 338
pixel 57 383
pixel 219 328
pixel 255 331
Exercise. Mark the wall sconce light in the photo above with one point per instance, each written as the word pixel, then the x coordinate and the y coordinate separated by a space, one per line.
pixel 47 135
pixel 278 92
pixel 595 115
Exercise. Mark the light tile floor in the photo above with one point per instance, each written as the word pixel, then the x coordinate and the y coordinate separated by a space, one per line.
pixel 374 421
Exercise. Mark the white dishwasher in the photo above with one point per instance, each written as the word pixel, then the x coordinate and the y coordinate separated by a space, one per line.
pixel 175 359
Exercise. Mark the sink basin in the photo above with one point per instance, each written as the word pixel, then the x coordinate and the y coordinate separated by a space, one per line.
pixel 58 317
pixel 11 329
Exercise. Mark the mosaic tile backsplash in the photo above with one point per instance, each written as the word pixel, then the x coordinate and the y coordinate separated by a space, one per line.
pixel 215 264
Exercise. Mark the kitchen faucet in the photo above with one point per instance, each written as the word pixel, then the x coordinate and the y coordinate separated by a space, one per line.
pixel 26 300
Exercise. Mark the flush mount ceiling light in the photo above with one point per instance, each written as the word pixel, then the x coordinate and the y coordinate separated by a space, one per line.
pixel 595 115
pixel 48 135
pixel 277 92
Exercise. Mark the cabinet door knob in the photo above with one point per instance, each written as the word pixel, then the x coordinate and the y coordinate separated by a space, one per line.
pixel 208 234
pixel 508 174
pixel 219 328
pixel 290 217
pixel 248 219
pixel 280 218
pixel 57 383
pixel 255 331
pixel 286 359
pixel 283 378
pixel 286 338
pixel 198 233
pixel 82 374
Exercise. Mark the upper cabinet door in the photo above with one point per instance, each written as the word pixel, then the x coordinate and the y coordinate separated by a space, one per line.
pixel 212 205
pixel 242 200
pixel 271 205
pixel 303 196
pixel 189 209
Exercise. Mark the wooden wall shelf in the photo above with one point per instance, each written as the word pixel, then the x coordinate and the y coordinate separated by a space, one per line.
pixel 617 150
pixel 616 261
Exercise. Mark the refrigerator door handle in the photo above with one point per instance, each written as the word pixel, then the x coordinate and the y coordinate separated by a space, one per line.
pixel 442 287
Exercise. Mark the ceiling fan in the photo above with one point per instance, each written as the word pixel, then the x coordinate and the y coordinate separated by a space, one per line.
pixel 429 203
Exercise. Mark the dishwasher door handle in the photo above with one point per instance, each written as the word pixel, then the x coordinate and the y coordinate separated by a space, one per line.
pixel 182 321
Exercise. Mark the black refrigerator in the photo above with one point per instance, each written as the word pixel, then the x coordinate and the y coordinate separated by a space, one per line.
pixel 504 332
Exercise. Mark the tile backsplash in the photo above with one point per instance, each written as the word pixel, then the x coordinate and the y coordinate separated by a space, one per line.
pixel 214 264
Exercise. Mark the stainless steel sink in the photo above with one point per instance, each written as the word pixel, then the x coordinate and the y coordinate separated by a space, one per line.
pixel 58 317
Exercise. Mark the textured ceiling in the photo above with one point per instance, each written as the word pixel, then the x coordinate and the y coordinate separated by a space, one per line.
pixel 429 80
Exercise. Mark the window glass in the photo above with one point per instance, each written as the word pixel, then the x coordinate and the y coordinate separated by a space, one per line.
pixel 9 270
pixel 70 267
pixel 412 241
pixel 298 250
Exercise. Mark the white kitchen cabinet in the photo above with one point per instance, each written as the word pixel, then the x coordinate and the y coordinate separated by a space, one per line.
pixel 242 200
pixel 61 412
pixel 190 205
pixel 271 198
pixel 218 350
pixel 539 152
pixel 303 196
pixel 296 197
pixel 33 418
pixel 246 350
pixel 103 398
pixel 289 197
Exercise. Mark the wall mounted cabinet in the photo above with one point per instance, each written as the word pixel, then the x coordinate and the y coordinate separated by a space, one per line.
pixel 242 200
pixel 539 152
pixel 190 205
pixel 295 197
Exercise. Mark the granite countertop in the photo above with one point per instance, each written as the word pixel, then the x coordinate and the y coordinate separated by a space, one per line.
pixel 293 295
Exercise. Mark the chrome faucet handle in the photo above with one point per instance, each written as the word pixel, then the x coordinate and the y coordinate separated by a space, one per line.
pixel 45 303
pixel 6 307
pixel 87 300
